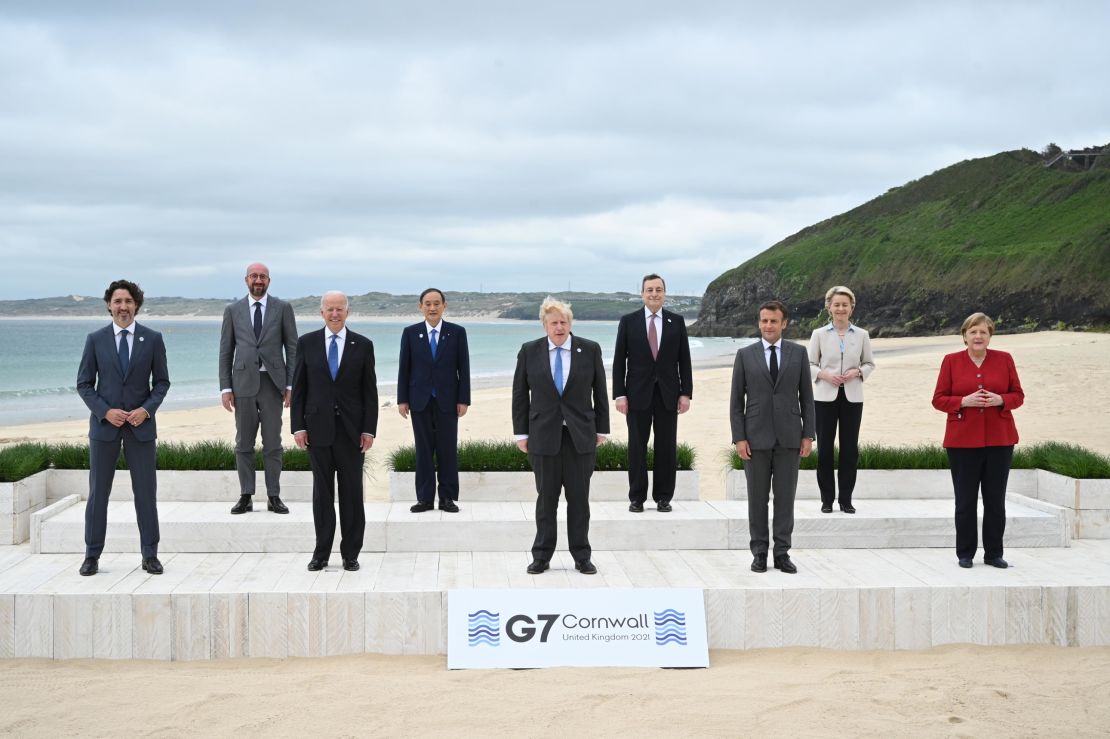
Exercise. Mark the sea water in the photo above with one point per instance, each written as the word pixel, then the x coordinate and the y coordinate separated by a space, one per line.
pixel 38 362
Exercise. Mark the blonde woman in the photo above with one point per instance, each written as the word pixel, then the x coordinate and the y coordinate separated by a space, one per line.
pixel 839 362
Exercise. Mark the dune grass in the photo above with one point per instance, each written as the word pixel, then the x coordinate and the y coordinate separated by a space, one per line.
pixel 1064 459
pixel 23 460
pixel 504 456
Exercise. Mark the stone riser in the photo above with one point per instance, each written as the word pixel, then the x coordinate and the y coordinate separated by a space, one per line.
pixel 521 486
pixel 888 485
pixel 178 485
pixel 201 527
pixel 201 626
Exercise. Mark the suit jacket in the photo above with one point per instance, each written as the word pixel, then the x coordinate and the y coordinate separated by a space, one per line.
pixel 978 427
pixel 539 410
pixel 347 405
pixel 635 371
pixel 767 414
pixel 103 387
pixel 241 353
pixel 825 354
pixel 448 373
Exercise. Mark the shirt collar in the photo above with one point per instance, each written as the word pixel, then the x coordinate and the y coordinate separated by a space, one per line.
pixel 648 314
pixel 116 328
pixel 766 346
pixel 566 344
pixel 831 327
pixel 430 328
pixel 342 334
pixel 251 300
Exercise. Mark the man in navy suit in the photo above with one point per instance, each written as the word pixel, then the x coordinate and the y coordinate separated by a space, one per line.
pixel 335 415
pixel 560 416
pixel 652 385
pixel 123 378
pixel 433 385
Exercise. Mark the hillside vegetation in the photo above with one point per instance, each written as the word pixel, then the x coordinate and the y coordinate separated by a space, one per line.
pixel 1027 244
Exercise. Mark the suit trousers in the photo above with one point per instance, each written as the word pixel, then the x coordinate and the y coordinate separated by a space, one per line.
pixel 771 469
pixel 263 409
pixel 436 433
pixel 640 423
pixel 141 459
pixel 341 460
pixel 571 471
pixel 847 415
pixel 987 468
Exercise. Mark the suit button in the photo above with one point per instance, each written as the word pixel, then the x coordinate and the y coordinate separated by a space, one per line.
pixel 980 410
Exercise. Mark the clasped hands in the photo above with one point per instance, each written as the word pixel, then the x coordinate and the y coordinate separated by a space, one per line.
pixel 117 416
pixel 981 399
pixel 834 379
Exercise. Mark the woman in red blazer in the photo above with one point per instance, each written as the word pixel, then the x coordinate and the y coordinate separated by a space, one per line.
pixel 979 389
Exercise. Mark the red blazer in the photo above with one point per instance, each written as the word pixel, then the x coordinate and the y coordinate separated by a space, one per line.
pixel 978 427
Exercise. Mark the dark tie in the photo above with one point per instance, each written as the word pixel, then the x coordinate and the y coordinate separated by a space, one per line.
pixel 774 365
pixel 559 370
pixel 124 352
pixel 257 320
pixel 333 356
pixel 653 338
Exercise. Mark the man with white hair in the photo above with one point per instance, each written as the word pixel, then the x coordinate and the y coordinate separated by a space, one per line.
pixel 335 415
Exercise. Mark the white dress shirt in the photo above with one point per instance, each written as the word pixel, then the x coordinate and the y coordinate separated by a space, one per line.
pixel 130 337
pixel 338 345
pixel 658 324
pixel 767 352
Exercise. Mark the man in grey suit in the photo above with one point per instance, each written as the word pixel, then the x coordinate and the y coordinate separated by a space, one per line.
pixel 560 416
pixel 256 381
pixel 772 427
pixel 123 378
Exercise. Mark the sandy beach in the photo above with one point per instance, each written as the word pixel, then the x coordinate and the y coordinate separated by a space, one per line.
pixel 946 691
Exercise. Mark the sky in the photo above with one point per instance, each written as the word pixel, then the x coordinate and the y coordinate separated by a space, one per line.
pixel 496 146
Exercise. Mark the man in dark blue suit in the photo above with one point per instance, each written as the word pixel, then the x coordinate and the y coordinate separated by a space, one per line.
pixel 433 384
pixel 123 378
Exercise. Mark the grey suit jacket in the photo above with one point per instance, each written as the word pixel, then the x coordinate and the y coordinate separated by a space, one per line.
pixel 538 409
pixel 767 414
pixel 103 387
pixel 241 354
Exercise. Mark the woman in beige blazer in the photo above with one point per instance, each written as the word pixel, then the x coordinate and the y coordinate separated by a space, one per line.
pixel 839 361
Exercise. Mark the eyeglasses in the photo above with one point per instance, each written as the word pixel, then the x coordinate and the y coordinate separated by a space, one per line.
pixel 254 276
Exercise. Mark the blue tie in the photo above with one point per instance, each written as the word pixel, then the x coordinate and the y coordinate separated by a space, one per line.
pixel 559 369
pixel 435 344
pixel 124 353
pixel 333 356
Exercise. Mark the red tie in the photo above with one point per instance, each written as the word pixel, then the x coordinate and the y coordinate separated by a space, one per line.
pixel 653 337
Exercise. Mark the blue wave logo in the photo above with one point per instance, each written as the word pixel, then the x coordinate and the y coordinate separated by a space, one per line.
pixel 483 627
pixel 670 627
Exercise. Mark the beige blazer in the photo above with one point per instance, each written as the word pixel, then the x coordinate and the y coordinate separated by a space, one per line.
pixel 825 354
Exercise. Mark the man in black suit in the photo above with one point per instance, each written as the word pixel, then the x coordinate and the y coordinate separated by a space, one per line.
pixel 123 378
pixel 560 416
pixel 258 341
pixel 335 415
pixel 433 383
pixel 652 385
pixel 772 417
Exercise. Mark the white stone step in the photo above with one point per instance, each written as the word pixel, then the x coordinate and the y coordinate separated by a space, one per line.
pixel 521 486
pixel 509 526
pixel 178 485
pixel 887 484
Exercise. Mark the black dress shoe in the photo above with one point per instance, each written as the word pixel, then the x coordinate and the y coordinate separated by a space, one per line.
pixel 90 566
pixel 636 507
pixel 586 567
pixel 274 504
pixel 826 507
pixel 965 563
pixel 315 565
pixel 421 507
pixel 448 506
pixel 152 565
pixel 759 563
pixel 350 565
pixel 246 503
pixel 663 506
pixel 996 562
pixel 847 508
pixel 537 567
pixel 783 563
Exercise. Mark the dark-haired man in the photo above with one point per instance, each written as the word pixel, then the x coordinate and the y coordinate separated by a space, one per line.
pixel 772 417
pixel 123 378
pixel 652 385
pixel 433 386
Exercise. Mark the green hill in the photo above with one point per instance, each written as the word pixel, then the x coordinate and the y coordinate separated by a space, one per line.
pixel 1027 244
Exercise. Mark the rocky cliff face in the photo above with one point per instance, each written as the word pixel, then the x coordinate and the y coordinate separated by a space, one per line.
pixel 1028 245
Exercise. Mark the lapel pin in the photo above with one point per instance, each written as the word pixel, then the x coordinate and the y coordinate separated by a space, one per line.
pixel 142 338
pixel 579 350
pixel 420 336
pixel 668 320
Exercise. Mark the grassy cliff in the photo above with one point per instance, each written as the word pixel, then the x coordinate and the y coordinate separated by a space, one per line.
pixel 1028 245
